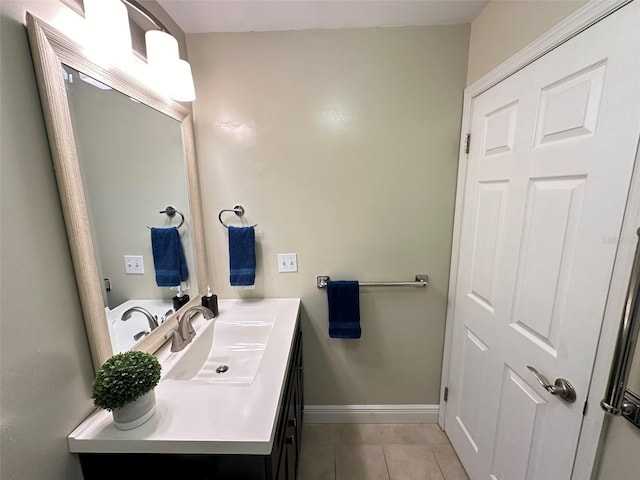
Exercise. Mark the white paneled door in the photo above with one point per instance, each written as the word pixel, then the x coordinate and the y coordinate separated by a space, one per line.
pixel 548 173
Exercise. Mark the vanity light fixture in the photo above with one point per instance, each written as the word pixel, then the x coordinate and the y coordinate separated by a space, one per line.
pixel 181 87
pixel 161 47
pixel 109 37
pixel 162 55
pixel 110 42
pixel 172 73
pixel 163 58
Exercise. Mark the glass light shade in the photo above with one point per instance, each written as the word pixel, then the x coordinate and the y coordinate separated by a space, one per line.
pixel 161 47
pixel 181 88
pixel 109 37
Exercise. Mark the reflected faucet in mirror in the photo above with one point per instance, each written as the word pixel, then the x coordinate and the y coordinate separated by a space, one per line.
pixel 153 321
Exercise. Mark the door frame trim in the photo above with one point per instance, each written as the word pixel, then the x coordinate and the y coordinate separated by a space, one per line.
pixel 583 18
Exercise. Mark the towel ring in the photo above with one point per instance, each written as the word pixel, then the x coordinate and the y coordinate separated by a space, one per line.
pixel 237 209
pixel 171 212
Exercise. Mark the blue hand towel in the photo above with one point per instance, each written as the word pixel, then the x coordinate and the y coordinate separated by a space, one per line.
pixel 344 309
pixel 168 257
pixel 242 256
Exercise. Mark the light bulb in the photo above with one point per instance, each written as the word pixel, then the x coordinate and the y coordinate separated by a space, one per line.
pixel 161 47
pixel 181 87
pixel 109 37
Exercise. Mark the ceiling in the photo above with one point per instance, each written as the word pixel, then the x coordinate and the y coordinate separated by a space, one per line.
pixel 203 16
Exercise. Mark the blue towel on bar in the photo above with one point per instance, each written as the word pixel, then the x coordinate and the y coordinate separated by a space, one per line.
pixel 242 256
pixel 344 309
pixel 168 257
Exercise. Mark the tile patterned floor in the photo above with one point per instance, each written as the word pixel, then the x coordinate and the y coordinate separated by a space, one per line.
pixel 377 452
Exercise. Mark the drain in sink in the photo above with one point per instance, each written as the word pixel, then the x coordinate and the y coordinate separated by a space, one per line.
pixel 222 368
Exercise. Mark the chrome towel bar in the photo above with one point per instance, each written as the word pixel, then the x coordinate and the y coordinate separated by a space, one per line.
pixel 616 401
pixel 421 281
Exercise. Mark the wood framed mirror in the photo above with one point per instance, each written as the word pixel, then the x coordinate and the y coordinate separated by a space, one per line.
pixel 52 52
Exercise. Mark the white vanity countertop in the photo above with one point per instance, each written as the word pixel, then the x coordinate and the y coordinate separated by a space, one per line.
pixel 199 418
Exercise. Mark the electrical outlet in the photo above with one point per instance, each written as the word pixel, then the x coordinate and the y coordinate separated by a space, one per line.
pixel 287 262
pixel 133 264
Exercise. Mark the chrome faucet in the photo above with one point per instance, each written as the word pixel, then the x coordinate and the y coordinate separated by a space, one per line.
pixel 153 321
pixel 181 337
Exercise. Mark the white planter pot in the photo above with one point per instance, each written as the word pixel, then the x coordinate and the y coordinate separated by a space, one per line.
pixel 134 414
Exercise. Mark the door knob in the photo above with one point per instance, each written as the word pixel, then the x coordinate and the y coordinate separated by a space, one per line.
pixel 561 387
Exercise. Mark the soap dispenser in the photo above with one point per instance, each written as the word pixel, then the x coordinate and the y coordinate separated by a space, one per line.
pixel 210 301
pixel 180 299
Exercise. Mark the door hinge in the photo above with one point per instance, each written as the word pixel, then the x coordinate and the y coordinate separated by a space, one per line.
pixel 584 409
pixel 467 142
pixel 445 397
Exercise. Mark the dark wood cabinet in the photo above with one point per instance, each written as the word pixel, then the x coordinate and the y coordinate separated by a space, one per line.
pixel 281 464
pixel 290 442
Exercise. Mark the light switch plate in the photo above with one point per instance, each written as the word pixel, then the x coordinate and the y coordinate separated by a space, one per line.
pixel 287 262
pixel 133 264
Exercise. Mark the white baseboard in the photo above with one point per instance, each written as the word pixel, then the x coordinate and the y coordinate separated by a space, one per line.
pixel 371 413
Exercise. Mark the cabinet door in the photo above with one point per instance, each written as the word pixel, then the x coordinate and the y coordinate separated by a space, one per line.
pixel 299 372
pixel 283 471
pixel 289 448
pixel 291 440
pixel 292 454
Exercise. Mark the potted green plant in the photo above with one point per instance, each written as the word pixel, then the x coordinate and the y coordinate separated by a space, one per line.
pixel 125 386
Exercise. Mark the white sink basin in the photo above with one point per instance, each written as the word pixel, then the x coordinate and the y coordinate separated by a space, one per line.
pixel 229 350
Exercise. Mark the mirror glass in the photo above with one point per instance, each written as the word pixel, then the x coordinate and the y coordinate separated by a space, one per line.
pixel 132 166
pixel 122 153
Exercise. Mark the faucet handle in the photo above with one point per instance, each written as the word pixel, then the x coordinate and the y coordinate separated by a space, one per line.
pixel 141 334
pixel 177 342
pixel 193 311
pixel 165 316
pixel 186 330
